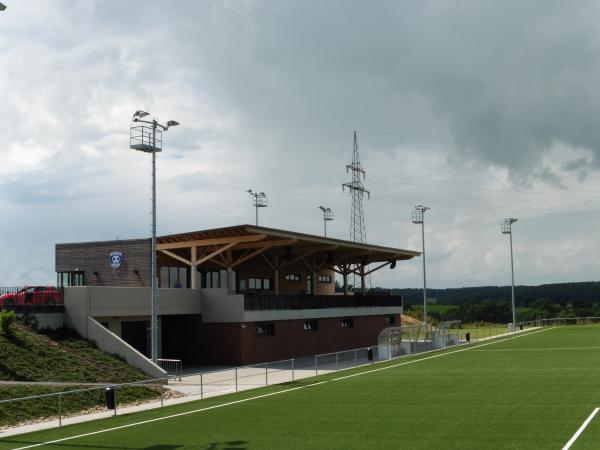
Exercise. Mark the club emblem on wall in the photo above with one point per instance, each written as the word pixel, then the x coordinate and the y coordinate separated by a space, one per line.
pixel 115 259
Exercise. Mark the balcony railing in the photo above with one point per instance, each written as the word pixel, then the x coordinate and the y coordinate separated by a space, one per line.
pixel 261 302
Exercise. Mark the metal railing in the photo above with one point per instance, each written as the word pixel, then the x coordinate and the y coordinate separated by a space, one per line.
pixel 560 321
pixel 173 367
pixel 64 401
pixel 259 302
pixel 217 382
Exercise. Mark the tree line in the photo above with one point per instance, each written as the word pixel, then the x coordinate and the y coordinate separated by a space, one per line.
pixel 493 303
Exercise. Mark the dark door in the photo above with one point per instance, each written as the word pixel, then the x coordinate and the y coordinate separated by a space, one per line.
pixel 135 333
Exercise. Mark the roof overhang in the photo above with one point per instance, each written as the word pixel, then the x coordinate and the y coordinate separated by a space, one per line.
pixel 250 241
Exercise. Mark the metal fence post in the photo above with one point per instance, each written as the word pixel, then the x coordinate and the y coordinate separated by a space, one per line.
pixel 201 387
pixel 355 358
pixel 336 362
pixel 236 379
pixel 115 390
pixel 266 374
pixel 59 410
pixel 162 403
pixel 316 367
pixel 293 359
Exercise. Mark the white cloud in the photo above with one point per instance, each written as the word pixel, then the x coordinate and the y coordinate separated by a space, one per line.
pixel 481 110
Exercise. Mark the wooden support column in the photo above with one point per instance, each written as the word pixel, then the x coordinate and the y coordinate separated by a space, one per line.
pixel 229 280
pixel 194 268
pixel 276 274
pixel 345 275
pixel 313 282
pixel 362 278
pixel 229 262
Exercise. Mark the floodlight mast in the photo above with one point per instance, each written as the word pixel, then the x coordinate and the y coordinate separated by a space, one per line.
pixel 142 143
pixel 259 200
pixel 327 215
pixel 418 217
pixel 506 228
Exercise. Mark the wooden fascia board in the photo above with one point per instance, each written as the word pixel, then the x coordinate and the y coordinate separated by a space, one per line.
pixel 209 242
pixel 269 244
pixel 177 257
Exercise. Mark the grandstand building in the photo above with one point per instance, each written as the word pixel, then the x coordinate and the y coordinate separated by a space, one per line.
pixel 235 295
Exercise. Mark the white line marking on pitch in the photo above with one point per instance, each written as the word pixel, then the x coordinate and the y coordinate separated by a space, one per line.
pixel 535 349
pixel 580 430
pixel 208 408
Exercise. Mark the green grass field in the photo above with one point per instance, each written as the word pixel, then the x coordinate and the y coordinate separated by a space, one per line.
pixel 528 391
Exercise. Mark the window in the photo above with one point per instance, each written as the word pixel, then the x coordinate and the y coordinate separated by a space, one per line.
pixel 293 277
pixel 348 323
pixel 242 285
pixel 264 329
pixel 64 279
pixel 259 283
pixel 391 320
pixel 173 277
pixel 324 278
pixel 311 325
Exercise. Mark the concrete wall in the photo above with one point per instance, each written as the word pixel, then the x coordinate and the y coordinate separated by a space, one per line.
pixel 111 343
pixel 95 301
pixel 219 306
pixel 297 314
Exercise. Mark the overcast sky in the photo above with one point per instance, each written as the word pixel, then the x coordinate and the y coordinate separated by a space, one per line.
pixel 478 109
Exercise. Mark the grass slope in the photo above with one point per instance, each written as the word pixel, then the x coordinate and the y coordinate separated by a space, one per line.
pixel 532 391
pixel 58 356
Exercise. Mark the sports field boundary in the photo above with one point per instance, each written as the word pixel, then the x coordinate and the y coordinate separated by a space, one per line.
pixel 284 391
pixel 581 429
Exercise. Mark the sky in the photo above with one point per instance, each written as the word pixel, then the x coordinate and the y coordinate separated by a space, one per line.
pixel 480 110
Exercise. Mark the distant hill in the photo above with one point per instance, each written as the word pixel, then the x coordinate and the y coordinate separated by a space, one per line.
pixel 559 293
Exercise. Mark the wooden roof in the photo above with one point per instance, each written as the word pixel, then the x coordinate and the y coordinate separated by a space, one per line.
pixel 254 237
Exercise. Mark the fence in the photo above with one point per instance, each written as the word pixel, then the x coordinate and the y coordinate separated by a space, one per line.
pixel 413 339
pixel 173 367
pixel 73 402
pixel 560 321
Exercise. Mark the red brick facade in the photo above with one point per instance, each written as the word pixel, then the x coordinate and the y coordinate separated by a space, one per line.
pixel 237 344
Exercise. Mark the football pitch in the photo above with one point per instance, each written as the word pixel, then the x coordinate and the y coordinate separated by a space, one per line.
pixel 532 390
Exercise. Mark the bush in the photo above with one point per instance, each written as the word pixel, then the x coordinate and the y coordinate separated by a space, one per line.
pixel 7 318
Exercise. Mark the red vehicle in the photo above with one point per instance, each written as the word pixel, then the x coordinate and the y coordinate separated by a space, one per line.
pixel 32 295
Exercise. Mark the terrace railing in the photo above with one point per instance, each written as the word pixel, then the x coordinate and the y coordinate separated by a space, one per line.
pixel 261 302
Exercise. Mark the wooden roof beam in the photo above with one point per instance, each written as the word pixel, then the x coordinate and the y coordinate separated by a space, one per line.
pixel 213 241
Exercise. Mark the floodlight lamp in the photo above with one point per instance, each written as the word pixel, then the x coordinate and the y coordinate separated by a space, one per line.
pixel 2 6
pixel 172 123
pixel 139 114
pixel 322 208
